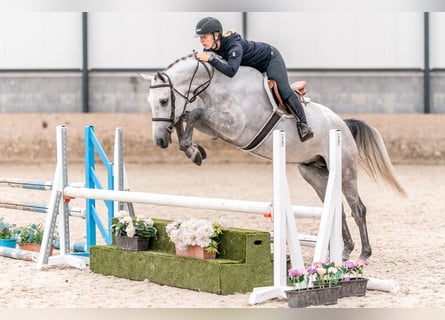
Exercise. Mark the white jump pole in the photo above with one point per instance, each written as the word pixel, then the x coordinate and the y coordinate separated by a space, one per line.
pixel 383 285
pixel 171 200
pixel 18 254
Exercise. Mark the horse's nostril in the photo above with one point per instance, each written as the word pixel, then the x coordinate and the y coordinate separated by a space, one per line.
pixel 162 143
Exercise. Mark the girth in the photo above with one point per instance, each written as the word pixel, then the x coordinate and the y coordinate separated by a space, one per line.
pixel 279 109
pixel 264 131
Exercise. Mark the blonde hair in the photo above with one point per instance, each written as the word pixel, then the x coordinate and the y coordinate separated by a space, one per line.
pixel 228 32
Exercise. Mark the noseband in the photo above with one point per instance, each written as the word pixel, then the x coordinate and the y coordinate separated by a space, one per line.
pixel 189 96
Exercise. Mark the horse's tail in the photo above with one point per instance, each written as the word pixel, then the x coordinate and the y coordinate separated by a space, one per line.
pixel 373 155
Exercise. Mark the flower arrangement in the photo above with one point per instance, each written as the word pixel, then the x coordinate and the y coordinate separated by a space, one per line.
pixel 298 276
pixel 33 233
pixel 195 232
pixel 324 274
pixel 7 230
pixel 329 277
pixel 352 269
pixel 134 226
pixel 314 286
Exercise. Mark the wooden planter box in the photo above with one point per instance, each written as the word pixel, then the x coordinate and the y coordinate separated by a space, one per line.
pixel 312 297
pixel 356 287
pixel 135 243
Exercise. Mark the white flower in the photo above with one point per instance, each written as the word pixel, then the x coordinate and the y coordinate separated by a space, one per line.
pixel 127 220
pixel 148 221
pixel 131 230
pixel 192 232
pixel 172 226
pixel 131 226
pixel 202 240
pixel 122 214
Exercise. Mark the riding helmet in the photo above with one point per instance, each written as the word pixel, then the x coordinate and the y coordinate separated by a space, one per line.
pixel 208 25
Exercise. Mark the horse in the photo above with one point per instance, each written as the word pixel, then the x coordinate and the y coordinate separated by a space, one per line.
pixel 190 94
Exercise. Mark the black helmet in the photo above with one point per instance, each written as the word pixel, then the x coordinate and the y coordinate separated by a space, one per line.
pixel 208 25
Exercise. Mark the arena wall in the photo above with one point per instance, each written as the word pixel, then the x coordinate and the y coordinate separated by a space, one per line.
pixel 30 137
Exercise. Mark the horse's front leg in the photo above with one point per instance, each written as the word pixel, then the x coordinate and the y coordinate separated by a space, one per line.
pixel 193 151
pixel 179 128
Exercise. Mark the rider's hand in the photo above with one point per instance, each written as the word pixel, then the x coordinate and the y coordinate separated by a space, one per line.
pixel 201 56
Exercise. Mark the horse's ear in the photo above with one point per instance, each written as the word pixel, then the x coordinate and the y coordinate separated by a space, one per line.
pixel 146 76
pixel 160 76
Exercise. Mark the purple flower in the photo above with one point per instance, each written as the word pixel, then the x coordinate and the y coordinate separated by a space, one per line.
pixel 350 264
pixel 295 273
pixel 311 270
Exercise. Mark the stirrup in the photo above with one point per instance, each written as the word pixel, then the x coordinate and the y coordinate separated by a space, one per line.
pixel 309 134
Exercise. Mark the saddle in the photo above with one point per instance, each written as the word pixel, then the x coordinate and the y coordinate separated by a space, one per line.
pixel 299 87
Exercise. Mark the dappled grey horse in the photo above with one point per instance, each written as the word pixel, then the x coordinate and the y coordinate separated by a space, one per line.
pixel 190 94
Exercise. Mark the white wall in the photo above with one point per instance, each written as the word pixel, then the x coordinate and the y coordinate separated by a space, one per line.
pixel 437 43
pixel 145 40
pixel 40 40
pixel 153 40
pixel 343 40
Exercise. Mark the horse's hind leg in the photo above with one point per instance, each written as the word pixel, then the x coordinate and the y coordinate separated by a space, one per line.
pixel 317 174
pixel 358 211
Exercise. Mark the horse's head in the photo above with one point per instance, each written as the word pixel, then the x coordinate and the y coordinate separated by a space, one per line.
pixel 171 92
pixel 161 100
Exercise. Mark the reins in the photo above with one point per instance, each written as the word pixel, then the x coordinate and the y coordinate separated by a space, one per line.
pixel 189 96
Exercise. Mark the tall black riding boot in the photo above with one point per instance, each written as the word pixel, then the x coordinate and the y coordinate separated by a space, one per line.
pixel 297 110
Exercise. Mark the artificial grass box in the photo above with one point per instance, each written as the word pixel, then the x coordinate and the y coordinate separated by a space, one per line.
pixel 244 262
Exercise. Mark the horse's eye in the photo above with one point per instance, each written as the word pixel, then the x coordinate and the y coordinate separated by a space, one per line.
pixel 163 101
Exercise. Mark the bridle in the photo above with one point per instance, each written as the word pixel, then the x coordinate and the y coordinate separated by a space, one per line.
pixel 189 96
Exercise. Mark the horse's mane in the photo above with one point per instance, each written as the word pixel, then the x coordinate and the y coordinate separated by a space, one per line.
pixel 180 59
pixel 189 56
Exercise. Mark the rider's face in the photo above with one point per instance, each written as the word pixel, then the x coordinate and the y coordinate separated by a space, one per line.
pixel 207 41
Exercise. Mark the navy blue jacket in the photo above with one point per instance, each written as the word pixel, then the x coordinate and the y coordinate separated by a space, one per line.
pixel 239 51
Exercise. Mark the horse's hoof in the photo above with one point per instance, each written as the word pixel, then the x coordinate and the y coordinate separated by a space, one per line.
pixel 364 256
pixel 194 153
pixel 362 262
pixel 197 161
pixel 348 247
pixel 202 151
pixel 346 254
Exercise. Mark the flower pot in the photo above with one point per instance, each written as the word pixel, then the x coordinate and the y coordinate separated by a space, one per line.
pixel 10 243
pixel 312 297
pixel 355 287
pixel 35 247
pixel 195 252
pixel 135 243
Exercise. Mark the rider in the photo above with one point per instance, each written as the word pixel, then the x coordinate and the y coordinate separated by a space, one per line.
pixel 259 55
